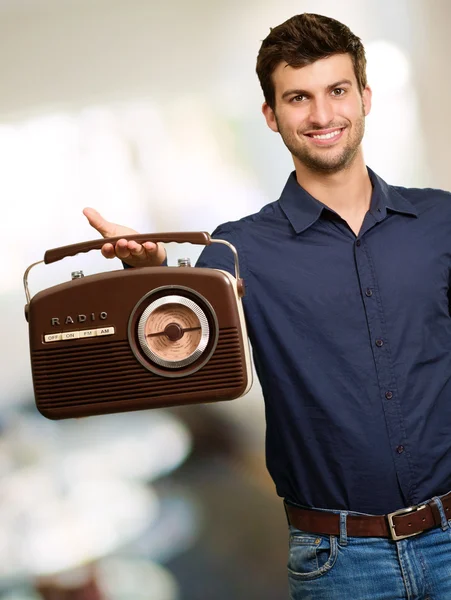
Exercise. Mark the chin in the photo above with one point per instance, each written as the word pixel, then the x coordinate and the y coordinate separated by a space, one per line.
pixel 325 166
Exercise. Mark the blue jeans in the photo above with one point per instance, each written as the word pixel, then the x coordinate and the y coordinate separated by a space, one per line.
pixel 323 567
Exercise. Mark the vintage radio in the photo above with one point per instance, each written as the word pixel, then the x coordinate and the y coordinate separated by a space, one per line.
pixel 137 338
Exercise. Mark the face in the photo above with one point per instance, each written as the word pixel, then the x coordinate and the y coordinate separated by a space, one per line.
pixel 319 112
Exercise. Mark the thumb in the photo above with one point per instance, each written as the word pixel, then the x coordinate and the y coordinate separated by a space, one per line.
pixel 104 227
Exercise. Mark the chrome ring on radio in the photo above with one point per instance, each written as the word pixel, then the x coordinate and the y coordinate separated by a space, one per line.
pixel 205 331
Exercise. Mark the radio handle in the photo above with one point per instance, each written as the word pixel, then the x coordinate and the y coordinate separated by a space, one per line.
pixel 191 237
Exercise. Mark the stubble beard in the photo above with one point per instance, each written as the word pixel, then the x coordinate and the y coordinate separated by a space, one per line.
pixel 322 161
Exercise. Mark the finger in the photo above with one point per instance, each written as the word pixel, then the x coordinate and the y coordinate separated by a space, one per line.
pixel 156 253
pixel 136 249
pixel 146 250
pixel 104 227
pixel 121 249
pixel 108 251
pixel 150 247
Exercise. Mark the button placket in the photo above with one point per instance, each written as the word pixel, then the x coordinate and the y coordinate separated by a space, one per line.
pixel 381 352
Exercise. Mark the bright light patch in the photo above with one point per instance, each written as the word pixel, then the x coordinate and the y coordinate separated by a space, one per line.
pixel 388 69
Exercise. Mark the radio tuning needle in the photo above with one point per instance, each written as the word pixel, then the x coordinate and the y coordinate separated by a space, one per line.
pixel 165 333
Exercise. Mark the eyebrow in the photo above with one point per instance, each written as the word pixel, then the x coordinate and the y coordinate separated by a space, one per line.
pixel 298 92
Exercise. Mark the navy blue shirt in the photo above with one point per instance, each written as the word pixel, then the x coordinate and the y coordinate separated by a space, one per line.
pixel 351 341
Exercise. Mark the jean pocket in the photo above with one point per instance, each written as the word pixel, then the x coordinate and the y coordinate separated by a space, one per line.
pixel 311 556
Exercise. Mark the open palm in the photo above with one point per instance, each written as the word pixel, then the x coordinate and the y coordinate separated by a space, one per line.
pixel 147 254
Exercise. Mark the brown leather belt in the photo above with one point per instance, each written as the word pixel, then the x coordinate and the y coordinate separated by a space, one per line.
pixel 397 525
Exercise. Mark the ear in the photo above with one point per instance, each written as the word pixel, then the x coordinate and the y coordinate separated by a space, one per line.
pixel 366 98
pixel 270 117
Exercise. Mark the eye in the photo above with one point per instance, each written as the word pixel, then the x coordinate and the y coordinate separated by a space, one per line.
pixel 299 98
pixel 338 92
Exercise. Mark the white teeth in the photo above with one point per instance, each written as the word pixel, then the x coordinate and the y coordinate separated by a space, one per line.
pixel 326 136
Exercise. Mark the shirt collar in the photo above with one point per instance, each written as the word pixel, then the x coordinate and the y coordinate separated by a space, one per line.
pixel 302 209
pixel 386 197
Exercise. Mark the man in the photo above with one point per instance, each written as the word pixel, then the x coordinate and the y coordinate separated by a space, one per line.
pixel 347 310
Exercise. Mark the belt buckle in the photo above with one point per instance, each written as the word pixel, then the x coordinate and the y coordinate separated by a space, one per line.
pixel 403 511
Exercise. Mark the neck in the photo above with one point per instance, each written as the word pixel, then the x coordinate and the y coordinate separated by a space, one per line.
pixel 347 192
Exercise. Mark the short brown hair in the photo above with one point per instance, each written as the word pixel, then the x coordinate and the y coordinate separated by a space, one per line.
pixel 302 40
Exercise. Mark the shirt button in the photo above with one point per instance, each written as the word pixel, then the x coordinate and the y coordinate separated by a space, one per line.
pixel 389 395
pixel 368 292
pixel 400 449
pixel 358 242
pixel 379 343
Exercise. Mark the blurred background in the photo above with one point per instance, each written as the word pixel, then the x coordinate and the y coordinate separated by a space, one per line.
pixel 150 112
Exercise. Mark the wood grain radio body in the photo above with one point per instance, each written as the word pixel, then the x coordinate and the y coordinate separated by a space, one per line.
pixel 140 338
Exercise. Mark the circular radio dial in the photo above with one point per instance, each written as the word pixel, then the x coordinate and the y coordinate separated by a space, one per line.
pixel 173 331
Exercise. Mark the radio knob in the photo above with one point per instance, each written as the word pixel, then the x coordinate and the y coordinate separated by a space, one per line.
pixel 184 262
pixel 77 274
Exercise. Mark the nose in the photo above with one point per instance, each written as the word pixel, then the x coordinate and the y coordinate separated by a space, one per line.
pixel 321 112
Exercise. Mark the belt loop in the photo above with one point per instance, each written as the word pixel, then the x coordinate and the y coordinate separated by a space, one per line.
pixel 343 530
pixel 443 519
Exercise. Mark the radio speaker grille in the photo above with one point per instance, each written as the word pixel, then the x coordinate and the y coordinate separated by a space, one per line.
pixel 85 375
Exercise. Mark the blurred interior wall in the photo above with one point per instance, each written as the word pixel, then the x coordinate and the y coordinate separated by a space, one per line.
pixel 57 55
pixel 431 51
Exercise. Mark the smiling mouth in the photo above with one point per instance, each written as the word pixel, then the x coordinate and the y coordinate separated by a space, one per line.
pixel 325 135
